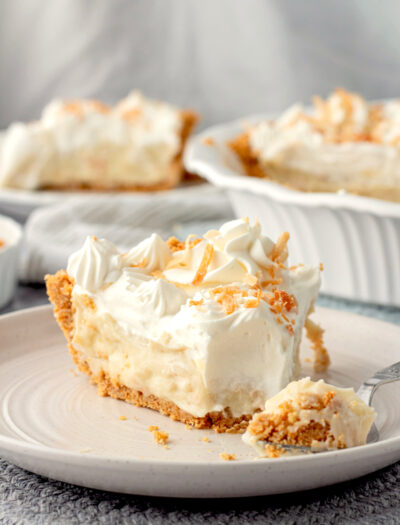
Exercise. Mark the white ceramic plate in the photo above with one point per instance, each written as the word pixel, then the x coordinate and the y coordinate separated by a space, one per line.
pixel 20 203
pixel 53 423
pixel 356 238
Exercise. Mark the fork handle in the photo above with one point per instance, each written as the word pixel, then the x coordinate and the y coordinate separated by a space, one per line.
pixel 382 377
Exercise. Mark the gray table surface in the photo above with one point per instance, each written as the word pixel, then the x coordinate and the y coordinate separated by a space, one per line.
pixel 29 499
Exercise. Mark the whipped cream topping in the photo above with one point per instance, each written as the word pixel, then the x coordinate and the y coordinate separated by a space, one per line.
pixel 144 134
pixel 348 417
pixel 226 300
pixel 343 139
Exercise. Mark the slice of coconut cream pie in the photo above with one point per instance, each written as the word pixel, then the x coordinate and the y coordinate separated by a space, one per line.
pixel 341 143
pixel 85 144
pixel 204 331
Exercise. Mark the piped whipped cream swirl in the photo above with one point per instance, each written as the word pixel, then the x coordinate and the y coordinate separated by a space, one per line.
pixel 238 253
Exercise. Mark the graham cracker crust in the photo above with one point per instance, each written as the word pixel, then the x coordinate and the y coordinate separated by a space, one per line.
pixel 241 146
pixel 176 171
pixel 59 289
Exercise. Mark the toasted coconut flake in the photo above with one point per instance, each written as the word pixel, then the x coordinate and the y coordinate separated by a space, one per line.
pixel 100 106
pixel 280 252
pixel 347 129
pixel 75 107
pixel 208 141
pixel 271 282
pixel 158 274
pixel 196 303
pixel 175 245
pixel 300 265
pixel 140 264
pixel 281 299
pixel 204 264
pixel 131 114
pixel 251 280
pixel 255 301
pixel 228 297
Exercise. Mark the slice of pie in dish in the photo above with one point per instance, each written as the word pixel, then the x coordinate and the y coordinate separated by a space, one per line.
pixel 85 144
pixel 341 143
pixel 204 331
pixel 310 414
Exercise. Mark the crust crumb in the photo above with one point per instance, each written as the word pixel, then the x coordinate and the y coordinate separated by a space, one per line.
pixel 160 437
pixel 274 451
pixel 227 457
pixel 206 439
pixel 122 418
pixel 315 335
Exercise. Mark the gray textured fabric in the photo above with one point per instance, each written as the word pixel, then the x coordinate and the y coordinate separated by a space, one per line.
pixel 29 499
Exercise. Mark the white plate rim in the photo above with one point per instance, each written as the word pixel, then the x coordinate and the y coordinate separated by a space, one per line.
pixel 41 197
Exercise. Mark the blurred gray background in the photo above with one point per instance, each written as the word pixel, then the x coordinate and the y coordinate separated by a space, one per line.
pixel 226 58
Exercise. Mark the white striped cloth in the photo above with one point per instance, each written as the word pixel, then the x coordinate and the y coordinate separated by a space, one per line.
pixel 53 233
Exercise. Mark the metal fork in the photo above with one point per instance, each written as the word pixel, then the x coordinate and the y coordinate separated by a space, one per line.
pixel 366 392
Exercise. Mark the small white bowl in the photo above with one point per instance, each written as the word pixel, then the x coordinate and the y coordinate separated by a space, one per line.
pixel 11 235
pixel 356 238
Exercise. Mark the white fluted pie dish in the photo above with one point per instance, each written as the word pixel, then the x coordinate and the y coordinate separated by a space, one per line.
pixel 356 238
pixel 10 241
